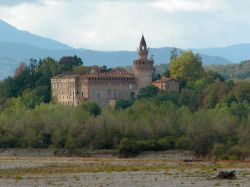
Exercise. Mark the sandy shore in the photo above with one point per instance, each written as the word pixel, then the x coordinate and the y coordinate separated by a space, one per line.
pixel 146 170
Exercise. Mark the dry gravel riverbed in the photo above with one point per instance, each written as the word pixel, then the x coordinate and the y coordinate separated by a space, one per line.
pixel 148 171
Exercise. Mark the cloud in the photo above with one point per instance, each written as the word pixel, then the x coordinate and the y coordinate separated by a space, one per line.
pixel 16 2
pixel 187 5
pixel 118 24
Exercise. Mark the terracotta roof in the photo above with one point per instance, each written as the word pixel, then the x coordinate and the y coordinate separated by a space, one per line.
pixel 164 79
pixel 117 72
pixel 65 76
pixel 109 74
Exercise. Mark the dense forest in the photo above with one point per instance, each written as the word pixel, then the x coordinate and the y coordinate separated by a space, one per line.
pixel 210 116
pixel 233 71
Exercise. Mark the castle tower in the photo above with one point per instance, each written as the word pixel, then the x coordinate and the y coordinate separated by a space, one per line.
pixel 143 67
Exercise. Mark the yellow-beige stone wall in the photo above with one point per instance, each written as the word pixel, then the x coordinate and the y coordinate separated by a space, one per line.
pixel 64 90
pixel 73 91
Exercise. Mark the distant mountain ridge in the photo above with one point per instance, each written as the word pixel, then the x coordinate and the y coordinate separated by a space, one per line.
pixel 234 53
pixel 19 46
pixel 9 33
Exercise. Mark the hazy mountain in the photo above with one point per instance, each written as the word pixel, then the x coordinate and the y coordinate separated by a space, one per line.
pixel 234 53
pixel 9 33
pixel 19 46
pixel 23 52
pixel 7 66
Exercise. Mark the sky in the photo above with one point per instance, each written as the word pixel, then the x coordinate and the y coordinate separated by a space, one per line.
pixel 118 24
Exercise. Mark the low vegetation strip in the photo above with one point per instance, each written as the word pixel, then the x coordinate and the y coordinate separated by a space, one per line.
pixel 57 166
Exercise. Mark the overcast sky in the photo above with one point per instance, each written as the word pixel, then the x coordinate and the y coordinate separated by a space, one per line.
pixel 118 24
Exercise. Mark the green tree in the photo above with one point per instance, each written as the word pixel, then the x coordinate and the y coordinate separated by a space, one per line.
pixel 241 91
pixel 123 104
pixel 67 63
pixel 148 91
pixel 187 67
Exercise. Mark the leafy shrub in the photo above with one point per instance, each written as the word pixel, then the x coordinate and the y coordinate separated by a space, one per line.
pixel 128 148
pixel 123 104
pixel 147 92
pixel 218 150
pixel 8 141
pixel 183 143
pixel 165 143
pixel 240 152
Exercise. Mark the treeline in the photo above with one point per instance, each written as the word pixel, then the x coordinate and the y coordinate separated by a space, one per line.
pixel 31 83
pixel 150 124
pixel 210 116
pixel 233 71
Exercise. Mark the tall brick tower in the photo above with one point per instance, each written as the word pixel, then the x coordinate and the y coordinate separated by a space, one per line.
pixel 143 67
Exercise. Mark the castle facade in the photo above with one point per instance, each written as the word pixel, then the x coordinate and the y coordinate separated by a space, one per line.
pixel 104 87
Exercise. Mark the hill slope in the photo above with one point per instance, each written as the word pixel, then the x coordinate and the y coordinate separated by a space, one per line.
pixel 11 34
pixel 19 46
pixel 23 52
pixel 234 53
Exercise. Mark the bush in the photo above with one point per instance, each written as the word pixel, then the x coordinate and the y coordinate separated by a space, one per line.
pixel 92 108
pixel 8 141
pixel 128 148
pixel 147 92
pixel 202 143
pixel 218 150
pixel 123 104
pixel 183 143
pixel 239 152
pixel 166 143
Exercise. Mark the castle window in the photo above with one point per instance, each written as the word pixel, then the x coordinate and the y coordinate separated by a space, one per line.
pixel 98 95
pixel 82 94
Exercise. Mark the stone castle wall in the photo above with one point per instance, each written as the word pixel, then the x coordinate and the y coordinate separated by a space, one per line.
pixel 75 90
pixel 64 90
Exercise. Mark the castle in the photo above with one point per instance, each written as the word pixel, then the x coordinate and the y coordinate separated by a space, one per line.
pixel 104 87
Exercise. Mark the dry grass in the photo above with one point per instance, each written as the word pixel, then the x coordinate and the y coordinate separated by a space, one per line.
pixel 94 165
